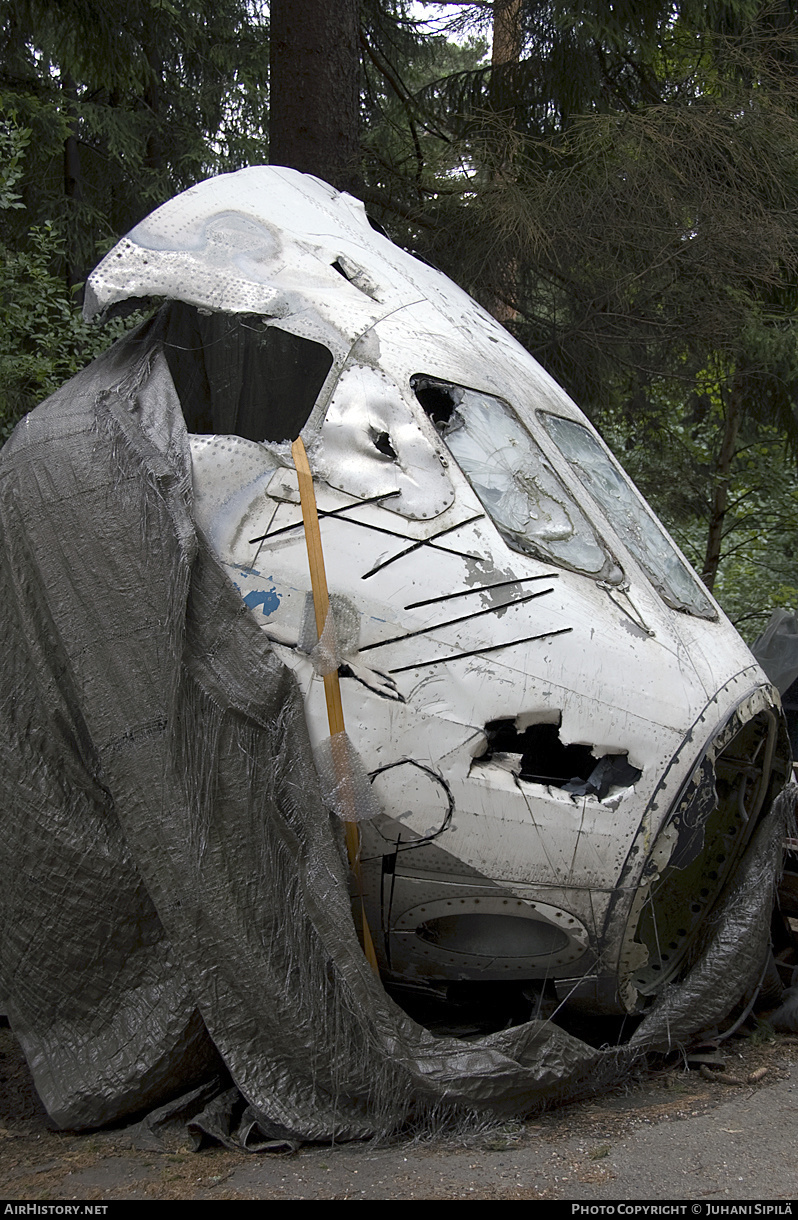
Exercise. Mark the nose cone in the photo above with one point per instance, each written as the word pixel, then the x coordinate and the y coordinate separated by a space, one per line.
pixel 569 745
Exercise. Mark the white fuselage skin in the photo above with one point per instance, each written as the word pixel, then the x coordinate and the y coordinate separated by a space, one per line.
pixel 620 671
pixel 600 655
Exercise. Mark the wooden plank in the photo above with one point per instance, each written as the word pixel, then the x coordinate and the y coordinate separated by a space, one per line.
pixel 332 687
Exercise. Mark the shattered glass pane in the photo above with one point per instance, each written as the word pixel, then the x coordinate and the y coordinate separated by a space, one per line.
pixel 640 531
pixel 510 474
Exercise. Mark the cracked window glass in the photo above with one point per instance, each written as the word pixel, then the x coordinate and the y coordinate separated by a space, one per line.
pixel 627 512
pixel 517 486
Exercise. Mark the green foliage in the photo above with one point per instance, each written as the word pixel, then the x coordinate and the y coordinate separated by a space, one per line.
pixel 129 103
pixel 108 109
pixel 43 339
pixel 410 161
pixel 670 453
pixel 13 142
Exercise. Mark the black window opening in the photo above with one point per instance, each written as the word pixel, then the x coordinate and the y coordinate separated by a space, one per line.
pixel 236 375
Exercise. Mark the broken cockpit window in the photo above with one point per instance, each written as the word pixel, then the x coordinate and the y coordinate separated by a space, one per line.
pixel 538 755
pixel 237 375
pixel 509 473
pixel 625 510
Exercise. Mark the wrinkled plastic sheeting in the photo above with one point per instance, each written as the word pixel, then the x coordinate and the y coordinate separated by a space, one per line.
pixel 776 649
pixel 173 892
pixel 733 943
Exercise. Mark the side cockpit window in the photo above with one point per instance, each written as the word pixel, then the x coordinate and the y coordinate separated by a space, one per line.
pixel 628 514
pixel 236 375
pixel 520 491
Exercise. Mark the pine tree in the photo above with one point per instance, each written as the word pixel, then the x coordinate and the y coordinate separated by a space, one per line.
pixel 625 208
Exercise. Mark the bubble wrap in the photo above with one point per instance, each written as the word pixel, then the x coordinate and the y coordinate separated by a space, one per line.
pixel 339 639
pixel 345 786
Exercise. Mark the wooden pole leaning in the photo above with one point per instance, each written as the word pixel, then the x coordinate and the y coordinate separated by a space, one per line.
pixel 332 687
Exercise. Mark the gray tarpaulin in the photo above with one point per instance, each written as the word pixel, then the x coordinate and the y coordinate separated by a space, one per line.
pixel 776 649
pixel 173 893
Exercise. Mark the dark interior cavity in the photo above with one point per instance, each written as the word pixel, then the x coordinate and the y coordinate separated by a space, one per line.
pixel 545 759
pixel 234 374
pixel 438 399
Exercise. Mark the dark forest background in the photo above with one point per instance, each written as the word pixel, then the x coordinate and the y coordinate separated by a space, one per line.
pixel 617 182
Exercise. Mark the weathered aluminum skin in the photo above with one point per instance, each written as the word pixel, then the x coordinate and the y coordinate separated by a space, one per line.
pixel 456 627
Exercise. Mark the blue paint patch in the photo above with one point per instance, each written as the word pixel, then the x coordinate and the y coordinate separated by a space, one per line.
pixel 269 599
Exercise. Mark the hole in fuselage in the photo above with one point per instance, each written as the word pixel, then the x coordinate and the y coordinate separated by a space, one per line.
pixel 241 375
pixel 382 442
pixel 544 759
pixel 437 398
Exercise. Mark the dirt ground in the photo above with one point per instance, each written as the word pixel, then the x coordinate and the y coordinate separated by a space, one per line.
pixel 710 1132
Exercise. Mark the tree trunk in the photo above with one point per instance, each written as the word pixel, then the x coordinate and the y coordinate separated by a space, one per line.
pixel 73 173
pixel 506 49
pixel 150 40
pixel 315 89
pixel 720 491
pixel 506 32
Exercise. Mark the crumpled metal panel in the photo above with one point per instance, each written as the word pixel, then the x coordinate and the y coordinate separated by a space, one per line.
pixel 252 242
pixel 411 473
